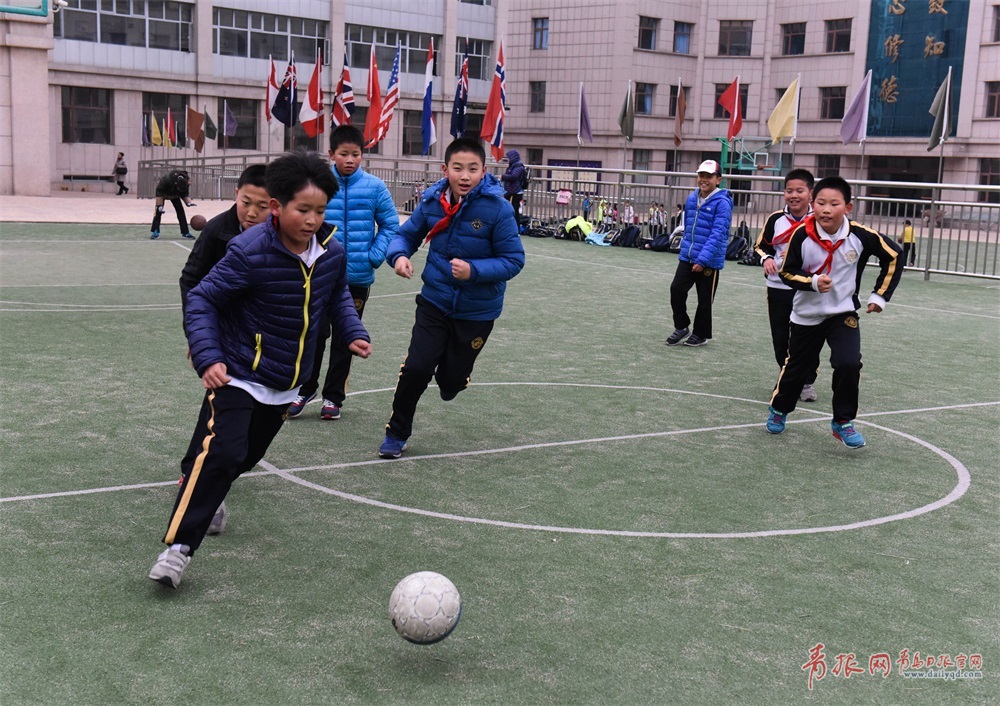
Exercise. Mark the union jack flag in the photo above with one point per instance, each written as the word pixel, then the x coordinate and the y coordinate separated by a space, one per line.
pixel 343 97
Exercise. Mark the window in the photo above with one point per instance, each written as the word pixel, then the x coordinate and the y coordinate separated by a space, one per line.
pixel 832 101
pixel 86 115
pixel 735 37
pixel 534 156
pixel 473 125
pixel 258 35
pixel 989 175
pixel 641 161
pixel 481 66
pixel 413 136
pixel 644 98
pixel 682 37
pixel 827 165
pixel 245 112
pixel 413 48
pixel 996 23
pixel 477 2
pixel 358 118
pixel 993 99
pixel 793 39
pixel 541 32
pixel 153 25
pixel 673 99
pixel 720 88
pixel 648 27
pixel 838 36
pixel 537 91
pixel 159 103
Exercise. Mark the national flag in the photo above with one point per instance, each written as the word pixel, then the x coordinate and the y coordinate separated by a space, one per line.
pixel 583 130
pixel 941 109
pixel 229 123
pixel 682 104
pixel 854 126
pixel 170 131
pixel 461 97
pixel 626 116
pixel 145 137
pixel 343 97
pixel 196 128
pixel 730 100
pixel 784 118
pixel 313 114
pixel 492 131
pixel 427 128
pixel 374 94
pixel 211 132
pixel 391 99
pixel 286 103
pixel 271 90
pixel 154 130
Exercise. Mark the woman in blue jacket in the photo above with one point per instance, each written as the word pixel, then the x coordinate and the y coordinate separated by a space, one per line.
pixel 708 216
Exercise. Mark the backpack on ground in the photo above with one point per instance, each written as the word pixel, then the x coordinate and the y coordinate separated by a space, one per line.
pixel 628 237
pixel 750 257
pixel 737 246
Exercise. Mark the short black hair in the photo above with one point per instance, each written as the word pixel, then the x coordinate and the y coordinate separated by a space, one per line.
pixel 801 175
pixel 254 175
pixel 346 135
pixel 293 171
pixel 907 222
pixel 837 184
pixel 465 144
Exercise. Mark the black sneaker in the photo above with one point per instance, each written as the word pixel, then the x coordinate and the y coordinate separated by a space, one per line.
pixel 677 336
pixel 696 340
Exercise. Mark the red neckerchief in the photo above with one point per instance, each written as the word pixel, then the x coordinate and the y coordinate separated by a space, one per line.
pixel 449 211
pixel 787 235
pixel 831 248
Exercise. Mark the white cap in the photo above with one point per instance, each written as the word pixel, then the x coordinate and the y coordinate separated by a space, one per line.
pixel 709 166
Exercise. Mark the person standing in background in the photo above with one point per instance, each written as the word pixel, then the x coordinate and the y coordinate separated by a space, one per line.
pixel 118 172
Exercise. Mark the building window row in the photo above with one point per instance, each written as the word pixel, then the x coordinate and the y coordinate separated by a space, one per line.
pixel 258 35
pixel 736 36
pixel 413 48
pixel 540 33
pixel 481 64
pixel 131 23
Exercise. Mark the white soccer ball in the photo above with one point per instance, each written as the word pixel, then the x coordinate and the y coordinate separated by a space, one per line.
pixel 425 607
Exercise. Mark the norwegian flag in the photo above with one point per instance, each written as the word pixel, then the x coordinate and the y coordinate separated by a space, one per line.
pixel 343 97
pixel 461 97
pixel 390 102
pixel 492 131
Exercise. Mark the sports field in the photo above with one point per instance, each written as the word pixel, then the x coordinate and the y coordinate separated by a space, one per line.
pixel 621 527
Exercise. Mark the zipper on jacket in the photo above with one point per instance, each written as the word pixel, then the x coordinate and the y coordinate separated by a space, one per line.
pixel 258 348
pixel 307 285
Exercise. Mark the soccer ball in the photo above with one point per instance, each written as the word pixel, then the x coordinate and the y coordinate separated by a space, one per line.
pixel 425 607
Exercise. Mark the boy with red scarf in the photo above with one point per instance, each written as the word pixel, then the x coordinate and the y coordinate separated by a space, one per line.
pixel 474 249
pixel 825 259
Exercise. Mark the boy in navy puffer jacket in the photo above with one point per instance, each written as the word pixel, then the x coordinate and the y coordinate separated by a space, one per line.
pixel 708 216
pixel 252 324
pixel 474 249
pixel 366 220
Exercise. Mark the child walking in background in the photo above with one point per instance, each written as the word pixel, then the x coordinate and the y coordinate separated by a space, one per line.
pixel 474 249
pixel 825 259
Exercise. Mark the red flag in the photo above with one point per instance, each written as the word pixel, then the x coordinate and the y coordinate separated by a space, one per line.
pixel 730 100
pixel 271 91
pixel 492 131
pixel 343 97
pixel 313 113
pixel 374 95
pixel 391 99
pixel 171 129
pixel 681 110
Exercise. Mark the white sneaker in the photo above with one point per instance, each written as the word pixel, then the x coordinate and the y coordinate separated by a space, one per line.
pixel 169 568
pixel 219 520
pixel 808 394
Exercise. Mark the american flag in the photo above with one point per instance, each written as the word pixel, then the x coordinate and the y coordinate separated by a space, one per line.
pixel 492 131
pixel 343 98
pixel 461 97
pixel 391 98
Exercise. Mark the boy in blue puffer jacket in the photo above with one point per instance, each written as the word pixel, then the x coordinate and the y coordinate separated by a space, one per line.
pixel 474 249
pixel 366 220
pixel 252 324
pixel 708 216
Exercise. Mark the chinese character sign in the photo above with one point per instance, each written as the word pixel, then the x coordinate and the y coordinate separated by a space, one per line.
pixel 911 45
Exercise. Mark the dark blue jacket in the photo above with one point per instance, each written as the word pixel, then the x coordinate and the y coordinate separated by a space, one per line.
pixel 514 176
pixel 483 233
pixel 706 229
pixel 259 309
pixel 362 203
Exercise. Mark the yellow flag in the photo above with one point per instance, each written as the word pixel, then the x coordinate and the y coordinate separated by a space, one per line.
pixel 154 131
pixel 783 117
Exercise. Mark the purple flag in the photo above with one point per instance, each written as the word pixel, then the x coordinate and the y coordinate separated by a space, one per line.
pixel 854 126
pixel 229 120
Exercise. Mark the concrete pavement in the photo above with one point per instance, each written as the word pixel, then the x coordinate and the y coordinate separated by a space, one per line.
pixel 83 207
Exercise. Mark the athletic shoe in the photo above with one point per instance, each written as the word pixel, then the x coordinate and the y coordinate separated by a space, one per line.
pixel 299 405
pixel 448 396
pixel 775 421
pixel 169 568
pixel 695 340
pixel 392 448
pixel 187 235
pixel 848 434
pixel 219 520
pixel 154 235
pixel 808 393
pixel 331 410
pixel 677 336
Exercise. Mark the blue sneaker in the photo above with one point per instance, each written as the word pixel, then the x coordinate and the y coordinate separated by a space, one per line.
pixel 392 448
pixel 299 405
pixel 154 235
pixel 775 421
pixel 848 434
pixel 187 235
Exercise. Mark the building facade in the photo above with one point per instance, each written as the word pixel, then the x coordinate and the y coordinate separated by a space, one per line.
pixel 84 83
